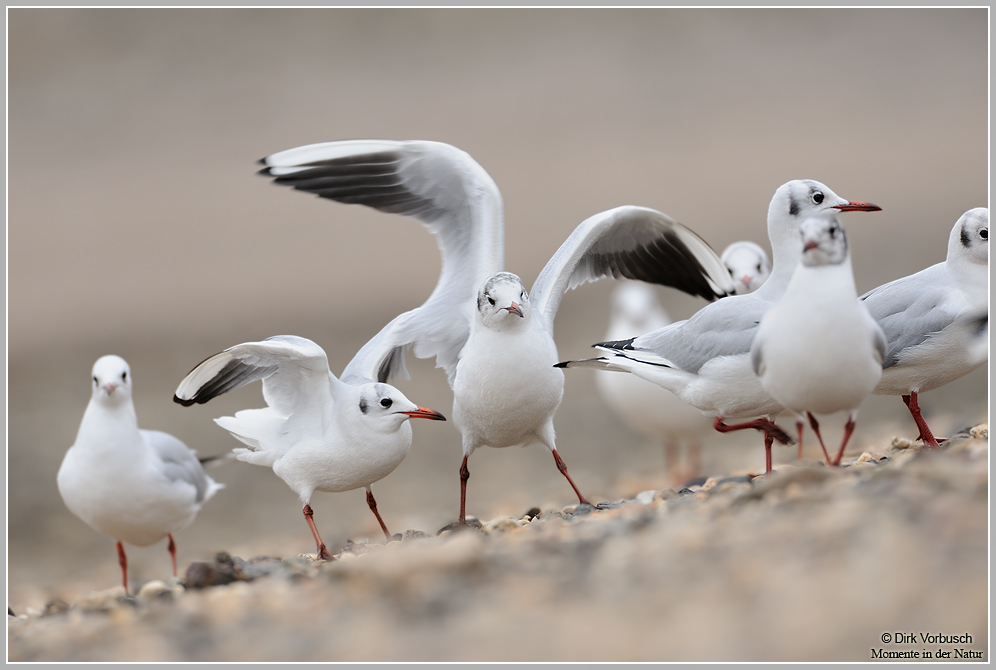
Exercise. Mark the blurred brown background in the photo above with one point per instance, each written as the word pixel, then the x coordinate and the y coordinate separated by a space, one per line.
pixel 136 224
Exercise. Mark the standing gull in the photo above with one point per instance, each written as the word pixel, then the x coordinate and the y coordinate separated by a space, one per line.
pixel 932 319
pixel 705 360
pixel 494 340
pixel 748 265
pixel 818 350
pixel 647 408
pixel 137 486
pixel 317 433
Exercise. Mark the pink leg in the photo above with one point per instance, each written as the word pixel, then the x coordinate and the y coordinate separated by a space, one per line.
pixel 563 470
pixel 768 441
pixel 768 427
pixel 123 562
pixel 925 434
pixel 373 508
pixel 799 426
pixel 323 553
pixel 464 476
pixel 816 429
pixel 172 552
pixel 848 429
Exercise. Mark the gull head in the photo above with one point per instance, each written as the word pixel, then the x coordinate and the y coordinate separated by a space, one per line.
pixel 800 199
pixel 503 302
pixel 969 241
pixel 383 408
pixel 111 381
pixel 748 265
pixel 824 241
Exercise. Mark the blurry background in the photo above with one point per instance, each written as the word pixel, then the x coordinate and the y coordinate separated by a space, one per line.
pixel 136 225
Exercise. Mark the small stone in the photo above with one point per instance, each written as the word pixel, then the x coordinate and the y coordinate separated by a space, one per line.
pixel 582 509
pixel 901 443
pixel 411 535
pixel 502 525
pixel 980 432
pixel 52 607
pixel 201 575
pixel 645 497
pixel 102 601
pixel 532 513
pixel 470 524
pixel 157 590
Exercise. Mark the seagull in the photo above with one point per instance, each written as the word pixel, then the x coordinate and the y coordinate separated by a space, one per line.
pixel 649 409
pixel 137 486
pixel 641 406
pixel 318 433
pixel 748 265
pixel 705 360
pixel 492 337
pixel 933 319
pixel 818 350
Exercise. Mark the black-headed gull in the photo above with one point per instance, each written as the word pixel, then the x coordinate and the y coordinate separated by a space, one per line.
pixel 705 360
pixel 494 340
pixel 137 486
pixel 932 319
pixel 643 407
pixel 818 350
pixel 748 265
pixel 318 433
pixel 647 408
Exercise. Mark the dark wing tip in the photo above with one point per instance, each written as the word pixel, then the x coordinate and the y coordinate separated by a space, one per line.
pixel 562 364
pixel 616 344
pixel 185 403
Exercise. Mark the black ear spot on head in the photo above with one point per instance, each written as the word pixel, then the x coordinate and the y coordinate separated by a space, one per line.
pixel 793 206
pixel 966 239
pixel 363 405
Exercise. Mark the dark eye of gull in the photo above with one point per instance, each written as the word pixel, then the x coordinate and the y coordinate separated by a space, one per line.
pixel 817 197
pixel 124 376
pixel 95 381
pixel 491 300
pixel 984 233
pixel 386 402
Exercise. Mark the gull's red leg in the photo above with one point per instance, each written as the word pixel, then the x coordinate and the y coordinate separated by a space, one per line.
pixel 373 508
pixel 323 553
pixel 925 435
pixel 563 470
pixel 172 551
pixel 816 429
pixel 799 427
pixel 848 429
pixel 123 562
pixel 464 476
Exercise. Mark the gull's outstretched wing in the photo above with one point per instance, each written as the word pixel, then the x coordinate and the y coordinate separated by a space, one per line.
pixel 636 243
pixel 436 184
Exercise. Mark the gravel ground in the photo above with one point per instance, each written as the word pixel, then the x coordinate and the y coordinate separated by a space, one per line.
pixel 810 564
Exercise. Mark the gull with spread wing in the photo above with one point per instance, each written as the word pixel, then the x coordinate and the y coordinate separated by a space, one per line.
pixel 493 339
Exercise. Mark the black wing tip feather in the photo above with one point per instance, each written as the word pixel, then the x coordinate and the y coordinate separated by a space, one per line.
pixel 562 364
pixel 185 403
pixel 617 344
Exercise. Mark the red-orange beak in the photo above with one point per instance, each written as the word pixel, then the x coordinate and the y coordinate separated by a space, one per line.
pixel 423 413
pixel 809 244
pixel 514 309
pixel 853 206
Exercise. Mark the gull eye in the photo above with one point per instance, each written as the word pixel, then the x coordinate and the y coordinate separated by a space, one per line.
pixel 817 197
pixel 386 402
pixel 124 376
pixel 491 300
pixel 984 233
pixel 95 381
pixel 758 267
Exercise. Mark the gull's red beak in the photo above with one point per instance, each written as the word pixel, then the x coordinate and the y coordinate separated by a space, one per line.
pixel 423 413
pixel 110 388
pixel 809 244
pixel 514 309
pixel 853 206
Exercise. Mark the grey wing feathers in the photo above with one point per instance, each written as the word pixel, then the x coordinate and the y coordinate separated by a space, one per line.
pixel 909 310
pixel 293 370
pixel 635 243
pixel 438 185
pixel 180 463
pixel 724 328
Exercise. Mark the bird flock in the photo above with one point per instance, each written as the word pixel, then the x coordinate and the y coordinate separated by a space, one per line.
pixel 790 336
